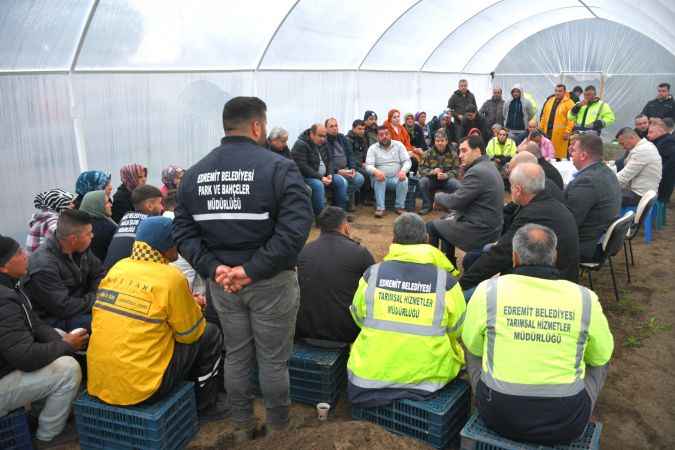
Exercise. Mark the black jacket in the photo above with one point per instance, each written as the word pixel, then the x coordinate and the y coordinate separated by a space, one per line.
pixel 458 102
pixel 551 172
pixel 542 210
pixel 329 270
pixel 417 137
pixel 104 230
pixel 594 198
pixel 306 157
pixel 666 147
pixel 123 240
pixel 359 148
pixel 121 203
pixel 511 208
pixel 62 286
pixel 544 420
pixel 346 146
pixel 26 343
pixel 285 152
pixel 660 108
pixel 479 123
pixel 260 218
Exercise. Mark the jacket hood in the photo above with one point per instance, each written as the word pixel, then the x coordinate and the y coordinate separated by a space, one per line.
pixel 517 86
pixel 420 254
pixel 304 136
pixel 42 217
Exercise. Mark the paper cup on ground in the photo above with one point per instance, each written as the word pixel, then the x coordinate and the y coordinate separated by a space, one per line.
pixel 322 410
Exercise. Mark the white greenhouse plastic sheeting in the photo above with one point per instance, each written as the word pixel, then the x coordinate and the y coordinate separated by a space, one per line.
pixel 100 83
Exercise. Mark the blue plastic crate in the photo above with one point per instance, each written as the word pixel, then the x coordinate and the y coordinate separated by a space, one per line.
pixel 166 425
pixel 14 431
pixel 306 357
pixel 477 436
pixel 411 197
pixel 436 421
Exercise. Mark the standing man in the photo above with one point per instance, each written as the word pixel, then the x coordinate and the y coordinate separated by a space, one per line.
pixel 591 114
pixel 642 125
pixel 662 106
pixel 593 196
pixel 343 163
pixel 493 109
pixel 243 216
pixel 388 163
pixel 554 121
pixel 517 112
pixel 642 170
pixel 665 143
pixel 459 100
pixel 473 120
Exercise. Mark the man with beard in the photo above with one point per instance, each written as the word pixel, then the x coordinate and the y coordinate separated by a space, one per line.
pixel 493 109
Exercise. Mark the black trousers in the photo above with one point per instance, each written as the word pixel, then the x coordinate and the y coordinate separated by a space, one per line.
pixel 436 238
pixel 199 362
pixel 629 198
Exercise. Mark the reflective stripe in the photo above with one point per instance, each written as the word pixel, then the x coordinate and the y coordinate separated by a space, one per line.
pixel 532 390
pixel 121 235
pixel 126 313
pixel 458 324
pixel 583 330
pixel 491 306
pixel 192 328
pixel 387 325
pixel 377 384
pixel 231 216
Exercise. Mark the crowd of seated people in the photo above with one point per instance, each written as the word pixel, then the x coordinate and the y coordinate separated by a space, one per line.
pixel 89 250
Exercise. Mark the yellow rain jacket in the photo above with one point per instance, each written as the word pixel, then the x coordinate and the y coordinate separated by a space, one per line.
pixel 561 123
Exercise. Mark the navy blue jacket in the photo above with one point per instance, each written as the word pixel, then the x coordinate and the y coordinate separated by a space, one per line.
pixel 242 205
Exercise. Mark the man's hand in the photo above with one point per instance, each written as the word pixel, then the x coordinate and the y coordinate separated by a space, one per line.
pixel 221 273
pixel 236 280
pixel 402 175
pixel 442 176
pixel 436 171
pixel 327 180
pixel 200 300
pixel 349 173
pixel 77 341
pixel 379 175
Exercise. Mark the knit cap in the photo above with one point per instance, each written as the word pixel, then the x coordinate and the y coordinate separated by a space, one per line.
pixel 156 232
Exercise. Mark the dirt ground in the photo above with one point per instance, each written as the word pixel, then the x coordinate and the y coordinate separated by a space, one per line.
pixel 636 407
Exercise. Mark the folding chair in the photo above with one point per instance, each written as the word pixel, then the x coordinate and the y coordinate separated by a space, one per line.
pixel 612 243
pixel 644 213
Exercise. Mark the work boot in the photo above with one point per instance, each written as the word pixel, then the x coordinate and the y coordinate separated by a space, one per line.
pixel 379 213
pixel 67 436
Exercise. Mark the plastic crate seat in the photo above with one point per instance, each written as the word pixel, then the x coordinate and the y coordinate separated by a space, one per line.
pixel 317 374
pixel 411 197
pixel 14 431
pixel 477 436
pixel 436 421
pixel 165 425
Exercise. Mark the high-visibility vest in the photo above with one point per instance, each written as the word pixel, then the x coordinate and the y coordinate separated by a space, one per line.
pixel 536 335
pixel 410 317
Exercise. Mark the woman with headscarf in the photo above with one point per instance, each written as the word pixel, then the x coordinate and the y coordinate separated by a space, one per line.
pixel 91 180
pixel 399 133
pixel 98 205
pixel 415 132
pixel 43 223
pixel 133 176
pixel 171 177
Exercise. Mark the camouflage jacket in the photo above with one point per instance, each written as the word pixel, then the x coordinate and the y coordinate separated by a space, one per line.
pixel 448 161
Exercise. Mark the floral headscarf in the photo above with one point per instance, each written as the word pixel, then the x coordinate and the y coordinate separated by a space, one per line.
pixel 169 176
pixel 91 180
pixel 130 175
pixel 54 200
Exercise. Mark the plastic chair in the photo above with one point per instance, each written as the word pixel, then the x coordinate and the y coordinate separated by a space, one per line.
pixel 644 212
pixel 612 243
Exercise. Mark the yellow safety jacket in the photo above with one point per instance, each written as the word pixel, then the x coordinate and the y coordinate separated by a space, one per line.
pixel 536 335
pixel 410 309
pixel 587 114
pixel 494 148
pixel 143 306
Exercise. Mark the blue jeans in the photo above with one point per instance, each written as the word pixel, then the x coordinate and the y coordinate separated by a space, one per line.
pixel 390 184
pixel 339 187
pixel 355 182
pixel 77 321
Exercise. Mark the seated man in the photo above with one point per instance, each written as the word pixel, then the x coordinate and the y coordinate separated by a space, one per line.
pixel 311 154
pixel 476 207
pixel 343 162
pixel 329 269
pixel 148 332
pixel 593 196
pixel 535 205
pixel 438 171
pixel 35 361
pixel 388 163
pixel 537 346
pixel 147 201
pixel 410 309
pixel 359 141
pixel 551 172
pixel 473 120
pixel 63 274
pixel 642 167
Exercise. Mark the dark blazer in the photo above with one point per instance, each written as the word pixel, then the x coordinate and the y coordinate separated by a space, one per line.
pixel 551 172
pixel 594 198
pixel 26 343
pixel 542 210
pixel 329 270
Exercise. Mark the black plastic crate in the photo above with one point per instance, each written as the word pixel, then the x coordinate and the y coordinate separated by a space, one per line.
pixel 14 431
pixel 411 197
pixel 477 436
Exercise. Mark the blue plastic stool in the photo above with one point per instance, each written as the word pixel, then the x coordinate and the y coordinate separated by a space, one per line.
pixel 660 214
pixel 14 431
pixel 649 222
